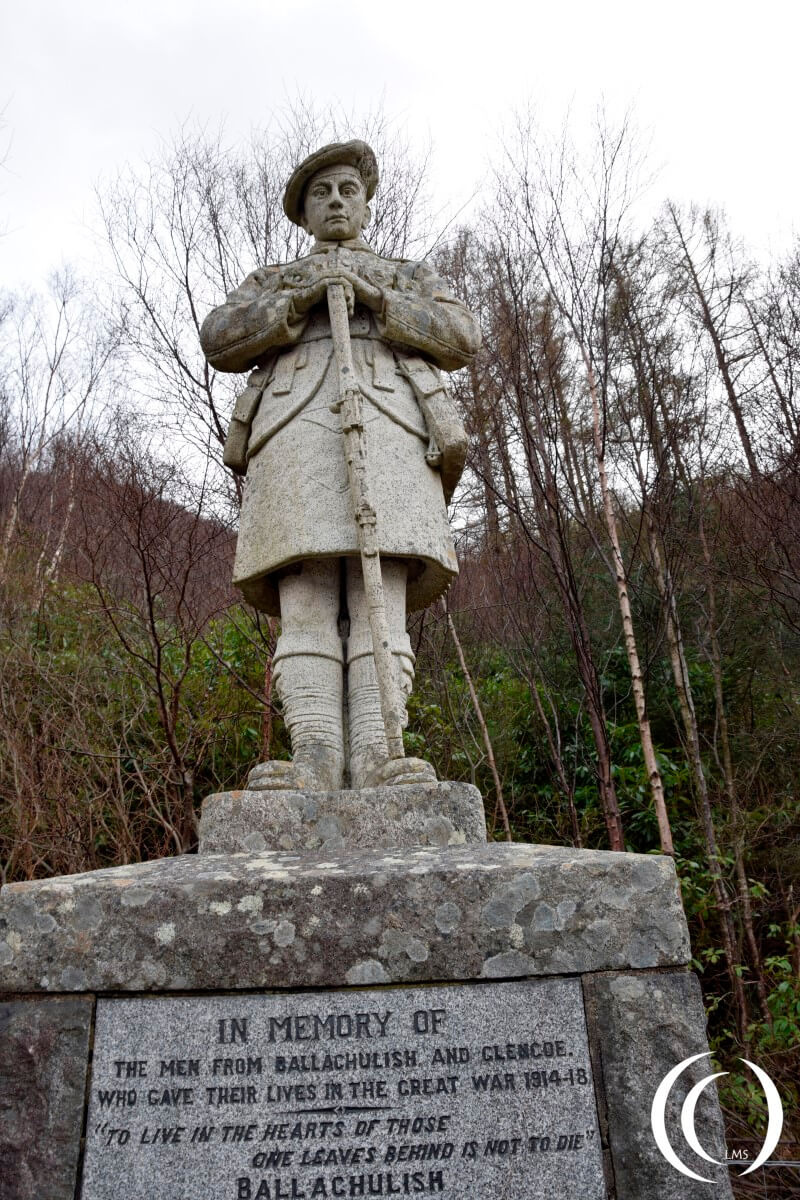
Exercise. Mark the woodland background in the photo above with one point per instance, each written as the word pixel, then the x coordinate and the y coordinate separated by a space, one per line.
pixel 617 664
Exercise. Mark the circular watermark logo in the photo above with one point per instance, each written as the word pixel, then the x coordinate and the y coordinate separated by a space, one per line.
pixel 688 1127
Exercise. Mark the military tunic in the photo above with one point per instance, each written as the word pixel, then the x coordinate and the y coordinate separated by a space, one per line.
pixel 297 502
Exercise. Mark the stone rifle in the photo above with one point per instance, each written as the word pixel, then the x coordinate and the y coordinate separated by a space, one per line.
pixel 350 405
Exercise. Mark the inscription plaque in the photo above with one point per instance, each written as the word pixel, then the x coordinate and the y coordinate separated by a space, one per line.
pixel 467 1090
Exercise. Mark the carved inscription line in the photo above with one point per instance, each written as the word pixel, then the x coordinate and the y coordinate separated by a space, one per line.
pixel 340 1108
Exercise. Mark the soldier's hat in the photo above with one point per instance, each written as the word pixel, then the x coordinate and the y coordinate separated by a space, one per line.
pixel 355 154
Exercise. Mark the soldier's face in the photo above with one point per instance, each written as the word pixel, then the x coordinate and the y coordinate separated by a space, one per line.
pixel 335 205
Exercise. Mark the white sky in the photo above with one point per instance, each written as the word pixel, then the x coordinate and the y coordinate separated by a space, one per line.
pixel 90 84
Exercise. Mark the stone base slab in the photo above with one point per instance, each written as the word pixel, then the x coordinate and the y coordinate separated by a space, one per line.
pixel 353 917
pixel 422 814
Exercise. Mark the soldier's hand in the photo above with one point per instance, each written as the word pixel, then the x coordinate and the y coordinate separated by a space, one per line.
pixel 306 296
pixel 365 293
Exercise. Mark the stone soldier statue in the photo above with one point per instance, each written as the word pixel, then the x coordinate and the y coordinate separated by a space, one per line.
pixel 298 554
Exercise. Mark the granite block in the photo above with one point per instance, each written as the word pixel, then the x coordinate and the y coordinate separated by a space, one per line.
pixel 44 1053
pixel 641 1026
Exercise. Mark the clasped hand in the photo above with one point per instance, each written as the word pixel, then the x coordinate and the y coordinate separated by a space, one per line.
pixel 306 295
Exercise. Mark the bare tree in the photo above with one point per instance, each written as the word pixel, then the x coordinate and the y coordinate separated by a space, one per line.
pixel 665 411
pixel 570 222
pixel 56 367
pixel 160 570
pixel 523 455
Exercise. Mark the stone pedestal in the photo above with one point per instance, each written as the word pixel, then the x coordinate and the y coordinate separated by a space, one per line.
pixel 422 814
pixel 508 1010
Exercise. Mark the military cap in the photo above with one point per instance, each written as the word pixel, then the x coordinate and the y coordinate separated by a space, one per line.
pixel 352 154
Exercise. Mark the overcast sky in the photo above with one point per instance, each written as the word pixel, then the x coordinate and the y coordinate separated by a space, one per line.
pixel 88 85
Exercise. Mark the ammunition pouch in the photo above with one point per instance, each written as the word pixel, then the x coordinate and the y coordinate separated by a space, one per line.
pixel 447 444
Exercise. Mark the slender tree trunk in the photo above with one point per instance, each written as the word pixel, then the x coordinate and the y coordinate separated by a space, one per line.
pixel 587 670
pixel 487 741
pixel 48 567
pixel 683 688
pixel 549 512
pixel 680 671
pixel 572 465
pixel 557 550
pixel 742 887
pixel 480 431
pixel 629 636
pixel 10 526
pixel 558 762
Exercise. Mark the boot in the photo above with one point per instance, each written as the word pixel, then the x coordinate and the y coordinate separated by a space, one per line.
pixel 370 765
pixel 310 687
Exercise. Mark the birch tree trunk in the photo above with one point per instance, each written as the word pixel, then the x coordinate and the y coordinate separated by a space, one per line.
pixel 628 633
